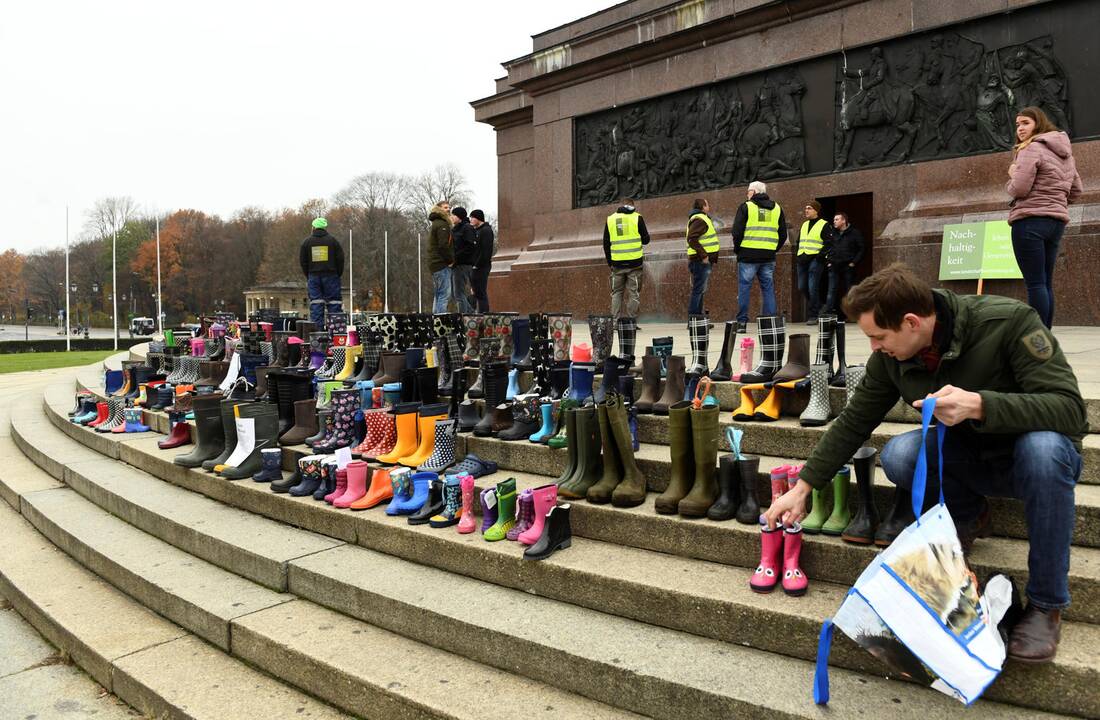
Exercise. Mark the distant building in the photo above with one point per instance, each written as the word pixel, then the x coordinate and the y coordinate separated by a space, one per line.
pixel 288 296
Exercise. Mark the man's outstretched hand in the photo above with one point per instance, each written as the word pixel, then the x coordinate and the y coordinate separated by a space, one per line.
pixel 954 405
pixel 790 507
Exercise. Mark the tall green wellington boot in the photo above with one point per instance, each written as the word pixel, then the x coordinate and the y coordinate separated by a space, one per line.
pixel 600 493
pixel 632 490
pixel 842 515
pixel 506 511
pixel 704 439
pixel 813 522
pixel 569 426
pixel 589 466
pixel 561 438
pixel 681 448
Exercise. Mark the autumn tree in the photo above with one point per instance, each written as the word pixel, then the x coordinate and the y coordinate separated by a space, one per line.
pixel 13 290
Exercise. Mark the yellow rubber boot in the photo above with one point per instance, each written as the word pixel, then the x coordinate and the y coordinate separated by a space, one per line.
pixel 426 446
pixel 747 409
pixel 350 354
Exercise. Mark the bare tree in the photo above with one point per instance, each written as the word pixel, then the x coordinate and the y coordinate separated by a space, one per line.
pixel 108 215
pixel 377 191
pixel 443 182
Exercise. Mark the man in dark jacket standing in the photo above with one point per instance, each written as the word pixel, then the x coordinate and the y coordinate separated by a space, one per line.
pixel 483 232
pixel 759 230
pixel 624 234
pixel 441 255
pixel 322 261
pixel 844 254
pixel 1014 417
pixel 466 256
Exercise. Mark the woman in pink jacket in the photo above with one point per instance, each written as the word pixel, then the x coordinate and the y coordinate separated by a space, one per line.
pixel 1043 180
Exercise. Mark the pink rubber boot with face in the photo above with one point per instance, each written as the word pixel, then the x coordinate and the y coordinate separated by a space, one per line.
pixel 766 576
pixel 794 580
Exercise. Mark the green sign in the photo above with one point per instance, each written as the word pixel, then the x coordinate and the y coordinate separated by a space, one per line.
pixel 978 250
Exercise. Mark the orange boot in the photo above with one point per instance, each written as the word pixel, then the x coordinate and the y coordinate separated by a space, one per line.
pixel 381 490
pixel 747 409
pixel 427 416
pixel 407 438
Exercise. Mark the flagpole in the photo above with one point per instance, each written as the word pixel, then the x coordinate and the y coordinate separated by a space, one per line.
pixel 68 343
pixel 419 288
pixel 351 273
pixel 160 311
pixel 114 281
pixel 386 272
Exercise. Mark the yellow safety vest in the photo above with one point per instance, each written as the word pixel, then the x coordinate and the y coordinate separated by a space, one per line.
pixel 626 241
pixel 762 228
pixel 809 239
pixel 709 241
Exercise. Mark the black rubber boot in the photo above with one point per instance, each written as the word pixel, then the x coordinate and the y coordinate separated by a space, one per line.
pixel 861 530
pixel 210 434
pixel 229 429
pixel 900 517
pixel 723 371
pixel 729 488
pixel 495 376
pixel 557 534
pixel 266 419
pixel 838 380
pixel 433 506
pixel 748 512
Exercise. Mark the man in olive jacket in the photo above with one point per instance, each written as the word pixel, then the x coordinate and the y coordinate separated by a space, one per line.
pixel 441 254
pixel 1015 421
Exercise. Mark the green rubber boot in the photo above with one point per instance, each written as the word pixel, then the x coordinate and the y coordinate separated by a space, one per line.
pixel 506 511
pixel 169 338
pixel 842 515
pixel 813 522
pixel 560 439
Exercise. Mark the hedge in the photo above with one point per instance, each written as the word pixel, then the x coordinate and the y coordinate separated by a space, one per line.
pixel 22 346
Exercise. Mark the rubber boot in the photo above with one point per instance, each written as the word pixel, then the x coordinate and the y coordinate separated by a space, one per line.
pixel 840 378
pixel 521 341
pixel 468 523
pixel 506 511
pixel 453 510
pixel 488 501
pixel 766 576
pixel 356 489
pixel 134 423
pixel 543 499
pixel 581 377
pixel 729 490
pixel 405 417
pixel 557 534
pixel 819 513
pixel 382 434
pixel 841 515
pixel 631 491
pixel 345 403
pixel 627 330
pixel 704 434
pixel 724 369
pixel 284 485
pixel 772 332
pixel 469 415
pixel 826 331
pixel 568 420
pixel 861 530
pixel 338 487
pixel 817 411
pixel 674 386
pixel 432 506
pixel 402 491
pixel 651 384
pixel 265 429
pixel 380 490
pixel 426 420
pixel 746 410
pixel 853 377
pixel 768 411
pixel 115 418
pixel 611 466
pixel 794 580
pixel 699 335
pixel 601 329
pixel 798 359
pixel 496 382
pixel 525 419
pixel 900 517
pixel 180 433
pixel 546 411
pixel 681 449
pixel 305 423
pixel 589 466
pixel 443 447
pixel 310 468
pixel 525 515
pixel 271 466
pixel 229 432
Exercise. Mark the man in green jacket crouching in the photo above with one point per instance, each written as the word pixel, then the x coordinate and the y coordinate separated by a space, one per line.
pixel 1015 415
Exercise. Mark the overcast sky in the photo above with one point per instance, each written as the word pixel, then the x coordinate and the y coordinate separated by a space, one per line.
pixel 219 105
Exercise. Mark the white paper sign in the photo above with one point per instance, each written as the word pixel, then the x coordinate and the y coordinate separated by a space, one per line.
pixel 343 457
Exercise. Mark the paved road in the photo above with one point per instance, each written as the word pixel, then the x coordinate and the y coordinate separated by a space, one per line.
pixel 46 332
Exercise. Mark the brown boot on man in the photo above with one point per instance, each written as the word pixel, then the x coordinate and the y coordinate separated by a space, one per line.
pixel 1035 638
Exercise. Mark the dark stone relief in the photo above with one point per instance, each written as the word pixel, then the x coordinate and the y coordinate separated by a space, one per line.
pixel 934 95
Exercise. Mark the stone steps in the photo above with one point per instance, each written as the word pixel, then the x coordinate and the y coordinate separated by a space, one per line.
pixel 674 593
pixel 300 643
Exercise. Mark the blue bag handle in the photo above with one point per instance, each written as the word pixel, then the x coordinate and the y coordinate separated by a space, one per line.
pixel 920 474
pixel 821 671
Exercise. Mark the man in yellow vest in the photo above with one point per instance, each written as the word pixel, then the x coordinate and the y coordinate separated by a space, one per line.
pixel 759 230
pixel 813 247
pixel 624 234
pixel 702 251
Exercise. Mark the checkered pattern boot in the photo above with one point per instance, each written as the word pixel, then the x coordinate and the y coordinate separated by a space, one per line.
pixel 627 330
pixel 772 333
pixel 699 335
pixel 826 328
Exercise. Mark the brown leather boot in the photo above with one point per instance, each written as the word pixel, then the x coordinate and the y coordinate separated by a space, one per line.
pixel 1034 640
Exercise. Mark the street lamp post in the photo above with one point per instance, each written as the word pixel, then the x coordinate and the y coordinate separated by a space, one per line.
pixel 68 344
pixel 114 283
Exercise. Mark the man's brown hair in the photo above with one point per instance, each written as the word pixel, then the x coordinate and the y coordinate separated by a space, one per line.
pixel 890 294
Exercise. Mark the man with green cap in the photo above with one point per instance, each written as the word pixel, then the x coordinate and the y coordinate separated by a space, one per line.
pixel 322 261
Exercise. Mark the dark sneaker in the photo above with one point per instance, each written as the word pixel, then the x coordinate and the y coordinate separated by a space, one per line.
pixel 742 327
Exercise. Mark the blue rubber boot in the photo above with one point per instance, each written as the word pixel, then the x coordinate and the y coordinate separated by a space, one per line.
pixel 421 489
pixel 133 421
pixel 310 469
pixel 364 387
pixel 271 462
pixel 547 428
pixel 513 384
pixel 112 381
pixel 580 381
pixel 391 394
pixel 401 479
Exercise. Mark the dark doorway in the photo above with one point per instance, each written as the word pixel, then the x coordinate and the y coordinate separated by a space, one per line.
pixel 861 214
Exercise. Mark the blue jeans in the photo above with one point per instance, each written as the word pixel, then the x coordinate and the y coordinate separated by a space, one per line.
pixel 700 279
pixel 809 283
pixel 1040 468
pixel 1035 242
pixel 324 292
pixel 746 272
pixel 461 288
pixel 441 290
pixel 840 279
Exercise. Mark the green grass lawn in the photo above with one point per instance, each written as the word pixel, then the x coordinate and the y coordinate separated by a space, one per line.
pixel 19 362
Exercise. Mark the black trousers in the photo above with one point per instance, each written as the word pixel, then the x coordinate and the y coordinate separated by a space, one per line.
pixel 479 279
